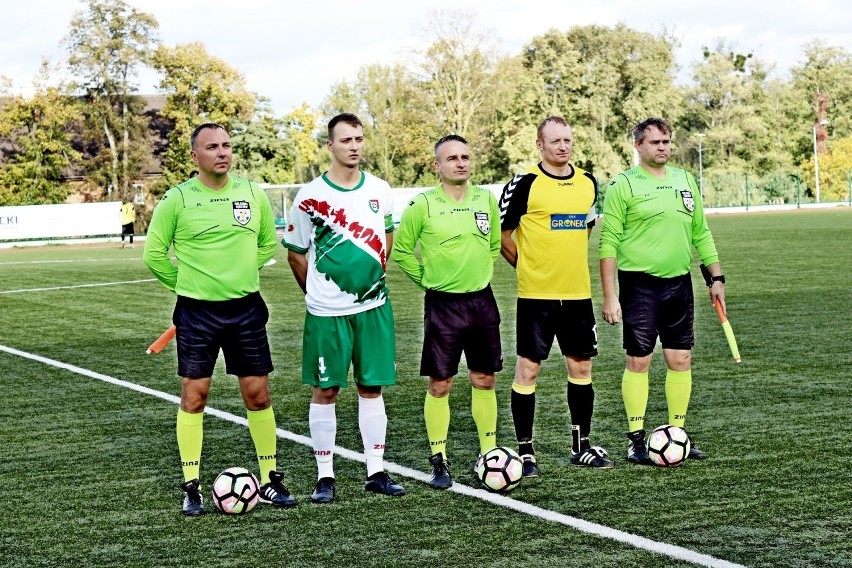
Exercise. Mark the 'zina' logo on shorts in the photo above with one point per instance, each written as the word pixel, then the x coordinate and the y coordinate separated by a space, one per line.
pixel 688 200
pixel 482 221
pixel 242 212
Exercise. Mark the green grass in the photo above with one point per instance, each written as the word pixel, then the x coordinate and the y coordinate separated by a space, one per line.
pixel 90 470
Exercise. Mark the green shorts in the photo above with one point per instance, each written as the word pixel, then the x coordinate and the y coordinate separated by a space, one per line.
pixel 365 340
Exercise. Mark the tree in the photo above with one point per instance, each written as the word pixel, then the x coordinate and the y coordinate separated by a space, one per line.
pixel 107 43
pixel 398 127
pixel 457 69
pixel 199 88
pixel 826 72
pixel 260 151
pixel 300 126
pixel 602 80
pixel 735 107
pixel 40 150
pixel 835 170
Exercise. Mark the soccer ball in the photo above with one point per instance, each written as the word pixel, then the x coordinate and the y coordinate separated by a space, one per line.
pixel 235 491
pixel 668 446
pixel 500 469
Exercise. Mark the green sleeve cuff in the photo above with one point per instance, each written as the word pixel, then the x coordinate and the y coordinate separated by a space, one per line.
pixel 607 251
pixel 294 248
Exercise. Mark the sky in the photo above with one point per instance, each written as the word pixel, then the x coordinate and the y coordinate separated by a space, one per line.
pixel 293 53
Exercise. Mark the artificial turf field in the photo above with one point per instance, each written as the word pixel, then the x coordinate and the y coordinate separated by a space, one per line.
pixel 90 468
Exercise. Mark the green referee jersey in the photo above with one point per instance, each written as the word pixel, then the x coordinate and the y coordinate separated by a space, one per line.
pixel 220 238
pixel 650 225
pixel 458 241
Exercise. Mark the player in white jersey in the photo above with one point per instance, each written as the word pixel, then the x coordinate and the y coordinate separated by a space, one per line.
pixel 342 231
pixel 338 238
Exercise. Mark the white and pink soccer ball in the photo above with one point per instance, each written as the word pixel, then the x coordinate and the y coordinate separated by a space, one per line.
pixel 500 469
pixel 236 491
pixel 668 446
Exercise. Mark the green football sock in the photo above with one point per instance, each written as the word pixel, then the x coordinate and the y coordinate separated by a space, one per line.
pixel 436 412
pixel 483 408
pixel 634 391
pixel 190 433
pixel 262 428
pixel 678 391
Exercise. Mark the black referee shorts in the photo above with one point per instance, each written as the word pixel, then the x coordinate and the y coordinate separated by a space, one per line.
pixel 571 322
pixel 237 327
pixel 455 323
pixel 652 306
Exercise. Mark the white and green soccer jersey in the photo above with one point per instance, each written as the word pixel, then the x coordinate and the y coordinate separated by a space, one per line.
pixel 342 231
pixel 220 238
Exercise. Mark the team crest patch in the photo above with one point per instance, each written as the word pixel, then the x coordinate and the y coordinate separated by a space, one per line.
pixel 482 221
pixel 242 212
pixel 688 200
pixel 374 205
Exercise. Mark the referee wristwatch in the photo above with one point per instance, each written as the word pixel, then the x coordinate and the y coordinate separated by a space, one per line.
pixel 720 278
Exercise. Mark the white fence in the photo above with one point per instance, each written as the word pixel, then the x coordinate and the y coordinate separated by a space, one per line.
pixel 26 222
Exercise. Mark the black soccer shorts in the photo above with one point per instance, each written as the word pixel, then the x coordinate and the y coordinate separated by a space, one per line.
pixel 455 323
pixel 654 307
pixel 237 327
pixel 571 322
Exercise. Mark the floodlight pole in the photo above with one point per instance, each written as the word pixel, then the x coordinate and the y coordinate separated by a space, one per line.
pixel 816 166
pixel 816 159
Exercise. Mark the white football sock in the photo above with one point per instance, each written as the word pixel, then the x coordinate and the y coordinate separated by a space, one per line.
pixel 322 420
pixel 373 423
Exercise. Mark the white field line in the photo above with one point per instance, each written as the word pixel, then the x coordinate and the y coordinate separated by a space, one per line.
pixel 77 286
pixel 68 261
pixel 643 543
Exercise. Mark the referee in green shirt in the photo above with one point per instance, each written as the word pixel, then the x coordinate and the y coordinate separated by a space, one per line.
pixel 653 216
pixel 222 230
pixel 458 228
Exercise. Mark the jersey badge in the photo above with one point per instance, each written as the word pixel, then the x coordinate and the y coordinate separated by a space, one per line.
pixel 688 200
pixel 242 212
pixel 482 221
pixel 374 205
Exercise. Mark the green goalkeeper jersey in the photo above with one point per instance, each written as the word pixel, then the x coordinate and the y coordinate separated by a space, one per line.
pixel 458 241
pixel 220 238
pixel 650 225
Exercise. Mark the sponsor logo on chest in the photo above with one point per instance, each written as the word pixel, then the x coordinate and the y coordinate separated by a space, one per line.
pixel 567 221
pixel 242 212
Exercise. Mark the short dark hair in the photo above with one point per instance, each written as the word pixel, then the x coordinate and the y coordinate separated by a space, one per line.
pixel 449 138
pixel 201 127
pixel 546 121
pixel 347 117
pixel 661 124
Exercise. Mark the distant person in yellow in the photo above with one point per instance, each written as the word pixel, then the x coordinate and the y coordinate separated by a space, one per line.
pixel 128 217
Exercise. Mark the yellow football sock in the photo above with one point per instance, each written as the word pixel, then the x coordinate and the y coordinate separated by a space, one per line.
pixel 262 429
pixel 678 391
pixel 436 412
pixel 190 433
pixel 634 391
pixel 483 408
